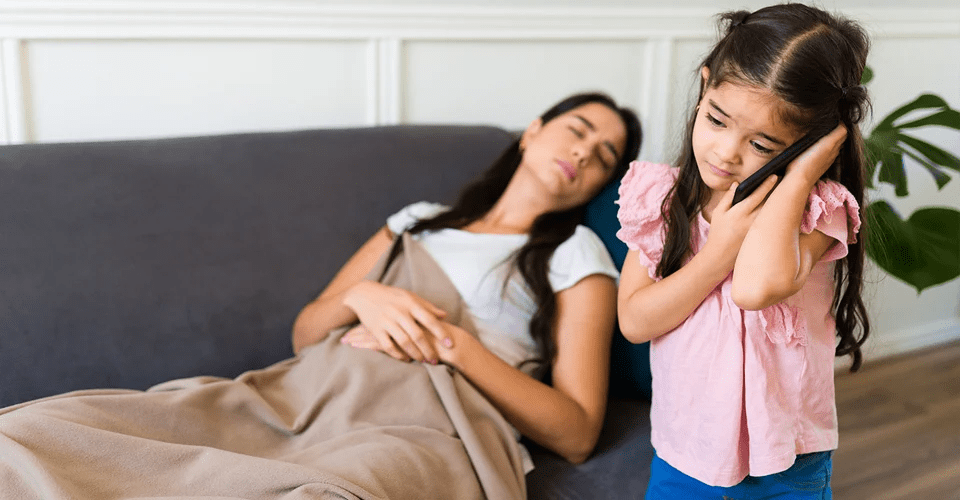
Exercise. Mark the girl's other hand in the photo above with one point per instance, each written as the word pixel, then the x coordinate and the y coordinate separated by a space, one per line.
pixel 814 162
pixel 729 223
pixel 399 320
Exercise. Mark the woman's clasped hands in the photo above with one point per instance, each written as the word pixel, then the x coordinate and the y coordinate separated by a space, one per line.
pixel 397 322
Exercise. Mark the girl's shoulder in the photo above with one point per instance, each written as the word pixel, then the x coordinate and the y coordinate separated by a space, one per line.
pixel 833 210
pixel 642 191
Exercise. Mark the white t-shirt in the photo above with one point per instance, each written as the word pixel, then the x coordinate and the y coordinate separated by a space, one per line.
pixel 477 265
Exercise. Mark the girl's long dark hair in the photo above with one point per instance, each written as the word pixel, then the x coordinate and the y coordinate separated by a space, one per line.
pixel 813 61
pixel 549 230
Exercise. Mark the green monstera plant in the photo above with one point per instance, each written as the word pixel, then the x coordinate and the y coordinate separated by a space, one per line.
pixel 922 250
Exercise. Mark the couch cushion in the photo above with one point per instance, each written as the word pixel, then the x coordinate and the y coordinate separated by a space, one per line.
pixel 629 362
pixel 618 468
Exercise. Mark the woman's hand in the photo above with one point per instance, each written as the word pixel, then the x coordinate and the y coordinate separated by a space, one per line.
pixel 361 338
pixel 814 162
pixel 404 325
pixel 729 223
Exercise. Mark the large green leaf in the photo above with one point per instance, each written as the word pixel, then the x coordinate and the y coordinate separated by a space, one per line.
pixel 923 102
pixel 934 153
pixel 944 118
pixel 887 144
pixel 891 168
pixel 941 178
pixel 922 251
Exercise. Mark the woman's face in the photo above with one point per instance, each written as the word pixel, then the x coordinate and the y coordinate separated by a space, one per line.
pixel 737 130
pixel 574 154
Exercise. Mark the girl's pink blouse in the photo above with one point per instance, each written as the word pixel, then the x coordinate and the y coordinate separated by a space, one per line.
pixel 738 393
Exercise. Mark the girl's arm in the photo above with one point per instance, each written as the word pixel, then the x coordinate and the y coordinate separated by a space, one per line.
pixel 776 258
pixel 567 416
pixel 648 309
pixel 396 316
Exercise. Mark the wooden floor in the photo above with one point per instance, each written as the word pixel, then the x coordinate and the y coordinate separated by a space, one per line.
pixel 900 428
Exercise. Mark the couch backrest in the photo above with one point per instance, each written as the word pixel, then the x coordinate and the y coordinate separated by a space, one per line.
pixel 125 264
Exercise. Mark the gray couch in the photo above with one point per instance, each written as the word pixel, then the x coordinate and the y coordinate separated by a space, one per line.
pixel 125 264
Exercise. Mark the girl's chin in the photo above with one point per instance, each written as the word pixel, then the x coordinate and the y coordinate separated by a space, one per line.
pixel 717 184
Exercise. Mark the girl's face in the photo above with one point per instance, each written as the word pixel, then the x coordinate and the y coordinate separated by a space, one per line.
pixel 574 154
pixel 737 130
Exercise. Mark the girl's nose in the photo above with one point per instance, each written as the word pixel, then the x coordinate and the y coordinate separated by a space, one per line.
pixel 727 149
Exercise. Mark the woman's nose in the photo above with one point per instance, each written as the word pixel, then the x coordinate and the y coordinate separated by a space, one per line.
pixel 581 152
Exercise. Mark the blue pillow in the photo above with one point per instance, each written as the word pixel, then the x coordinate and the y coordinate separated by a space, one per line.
pixel 629 363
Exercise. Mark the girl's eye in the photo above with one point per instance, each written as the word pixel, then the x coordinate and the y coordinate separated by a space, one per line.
pixel 760 149
pixel 576 132
pixel 713 120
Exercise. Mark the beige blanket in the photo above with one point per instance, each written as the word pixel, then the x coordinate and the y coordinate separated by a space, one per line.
pixel 333 422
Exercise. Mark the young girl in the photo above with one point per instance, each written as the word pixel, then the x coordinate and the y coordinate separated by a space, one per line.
pixel 743 303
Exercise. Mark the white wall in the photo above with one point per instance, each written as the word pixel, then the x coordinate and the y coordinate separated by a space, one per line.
pixel 93 70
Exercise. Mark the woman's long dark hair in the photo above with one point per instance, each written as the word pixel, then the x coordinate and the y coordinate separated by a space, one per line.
pixel 813 61
pixel 549 230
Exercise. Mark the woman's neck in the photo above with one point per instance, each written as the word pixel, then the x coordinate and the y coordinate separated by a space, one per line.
pixel 513 213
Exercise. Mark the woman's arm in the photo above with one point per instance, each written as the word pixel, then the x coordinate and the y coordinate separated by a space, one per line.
pixel 648 309
pixel 397 317
pixel 327 311
pixel 776 258
pixel 565 418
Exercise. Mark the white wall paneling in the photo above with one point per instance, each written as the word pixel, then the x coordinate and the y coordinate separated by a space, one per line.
pixel 509 82
pixel 102 89
pixel 119 69
pixel 382 88
pixel 13 101
pixel 389 102
pixel 654 100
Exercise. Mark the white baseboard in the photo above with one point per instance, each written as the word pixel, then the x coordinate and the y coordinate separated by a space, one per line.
pixel 891 343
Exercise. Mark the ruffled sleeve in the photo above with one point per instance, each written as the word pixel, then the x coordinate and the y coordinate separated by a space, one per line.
pixel 642 192
pixel 832 210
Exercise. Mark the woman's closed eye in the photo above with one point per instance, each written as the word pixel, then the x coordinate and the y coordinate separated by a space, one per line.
pixel 579 133
pixel 713 120
pixel 608 161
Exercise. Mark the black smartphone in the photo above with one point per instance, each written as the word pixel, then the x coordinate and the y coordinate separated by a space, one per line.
pixel 779 163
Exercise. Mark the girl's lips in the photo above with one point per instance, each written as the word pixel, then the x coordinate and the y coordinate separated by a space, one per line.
pixel 568 169
pixel 719 171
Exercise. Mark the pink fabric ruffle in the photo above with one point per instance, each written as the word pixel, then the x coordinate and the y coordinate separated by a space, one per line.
pixel 783 324
pixel 827 200
pixel 642 192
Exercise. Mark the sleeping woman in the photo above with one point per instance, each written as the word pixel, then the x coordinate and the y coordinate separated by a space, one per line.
pixel 451 332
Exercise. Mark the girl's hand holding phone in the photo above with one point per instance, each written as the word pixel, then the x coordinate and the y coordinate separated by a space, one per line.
pixel 729 223
pixel 814 162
